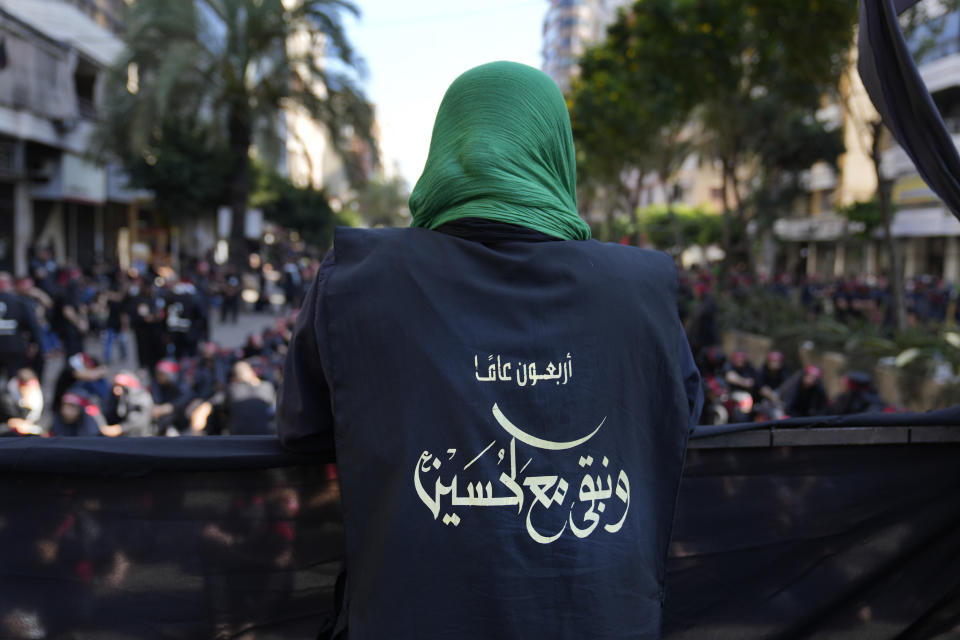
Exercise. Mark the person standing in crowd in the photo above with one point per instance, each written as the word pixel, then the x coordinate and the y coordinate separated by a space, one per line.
pixel 230 303
pixel 496 344
pixel 204 294
pixel 117 321
pixel 42 306
pixel 20 333
pixel 292 285
pixel 71 318
pixel 147 322
pixel 703 325
pixel 185 318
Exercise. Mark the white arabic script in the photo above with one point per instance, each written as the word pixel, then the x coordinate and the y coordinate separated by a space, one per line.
pixel 586 507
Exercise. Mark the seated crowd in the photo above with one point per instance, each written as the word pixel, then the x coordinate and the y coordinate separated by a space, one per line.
pixel 219 391
pixel 737 391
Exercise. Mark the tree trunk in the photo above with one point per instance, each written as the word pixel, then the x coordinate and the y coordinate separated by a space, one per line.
pixel 240 135
pixel 633 206
pixel 727 242
pixel 886 211
pixel 671 191
pixel 742 246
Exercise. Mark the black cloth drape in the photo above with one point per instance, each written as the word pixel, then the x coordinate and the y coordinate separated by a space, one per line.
pixel 195 537
pixel 893 82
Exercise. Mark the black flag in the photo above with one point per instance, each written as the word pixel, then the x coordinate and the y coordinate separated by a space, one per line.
pixel 894 84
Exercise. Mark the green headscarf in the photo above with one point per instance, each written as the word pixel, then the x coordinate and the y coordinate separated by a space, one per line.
pixel 502 150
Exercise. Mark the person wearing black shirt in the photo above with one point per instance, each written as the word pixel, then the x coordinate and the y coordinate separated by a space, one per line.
pixel 128 410
pixel 230 303
pixel 73 418
pixel 147 323
pixel 772 376
pixel 20 333
pixel 494 348
pixel 117 321
pixel 805 394
pixel 171 396
pixel 71 319
pixel 249 404
pixel 83 372
pixel 740 374
pixel 186 316
pixel 860 396
pixel 42 305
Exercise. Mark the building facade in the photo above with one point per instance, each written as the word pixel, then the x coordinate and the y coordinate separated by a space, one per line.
pixel 51 75
pixel 109 14
pixel 928 233
pixel 569 27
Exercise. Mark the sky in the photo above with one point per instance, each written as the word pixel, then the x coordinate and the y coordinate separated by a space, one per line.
pixel 414 49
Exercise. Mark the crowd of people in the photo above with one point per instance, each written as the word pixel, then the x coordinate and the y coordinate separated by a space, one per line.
pixel 929 301
pixel 181 382
pixel 184 383
pixel 737 390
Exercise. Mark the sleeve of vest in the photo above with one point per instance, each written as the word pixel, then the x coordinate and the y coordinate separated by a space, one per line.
pixel 304 412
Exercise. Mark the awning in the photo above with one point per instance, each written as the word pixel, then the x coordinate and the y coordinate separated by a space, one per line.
pixel 75 179
pixel 823 228
pixel 926 222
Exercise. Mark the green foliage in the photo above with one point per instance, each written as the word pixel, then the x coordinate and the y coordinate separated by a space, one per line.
pixel 740 79
pixel 868 213
pixel 302 209
pixel 224 71
pixel 792 141
pixel 660 224
pixel 924 24
pixel 628 106
pixel 918 354
pixel 382 202
pixel 186 170
pixel 202 61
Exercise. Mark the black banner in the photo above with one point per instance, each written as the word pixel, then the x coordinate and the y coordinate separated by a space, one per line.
pixel 217 537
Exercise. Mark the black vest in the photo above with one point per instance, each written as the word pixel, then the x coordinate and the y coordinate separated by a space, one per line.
pixel 510 424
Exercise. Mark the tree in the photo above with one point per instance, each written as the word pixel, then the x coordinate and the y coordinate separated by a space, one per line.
pixel 230 67
pixel 713 68
pixel 382 202
pixel 922 26
pixel 629 106
pixel 302 209
pixel 187 171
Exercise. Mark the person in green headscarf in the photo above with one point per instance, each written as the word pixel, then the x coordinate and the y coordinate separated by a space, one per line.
pixel 501 150
pixel 414 345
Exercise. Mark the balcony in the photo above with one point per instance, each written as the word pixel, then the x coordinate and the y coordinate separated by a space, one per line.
pixel 896 163
pixel 941 73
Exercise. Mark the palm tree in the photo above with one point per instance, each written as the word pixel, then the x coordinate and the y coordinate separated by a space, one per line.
pixel 230 67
